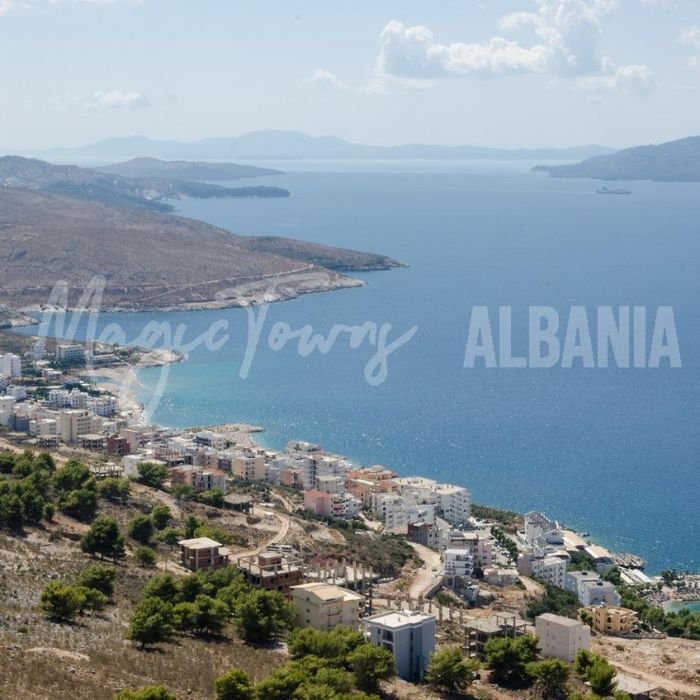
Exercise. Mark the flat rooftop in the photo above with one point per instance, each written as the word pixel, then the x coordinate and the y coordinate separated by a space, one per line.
pixel 399 619
pixel 559 620
pixel 327 592
pixel 199 543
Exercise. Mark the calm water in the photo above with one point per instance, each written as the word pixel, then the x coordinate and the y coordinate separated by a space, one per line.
pixel 610 451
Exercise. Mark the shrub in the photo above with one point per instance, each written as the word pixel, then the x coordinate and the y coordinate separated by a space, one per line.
pixel 370 665
pixel 146 557
pixel 104 539
pixel 141 529
pixel 152 474
pixel 448 671
pixel 508 660
pixel 262 615
pixel 60 601
pixel 234 685
pixel 99 577
pixel 151 622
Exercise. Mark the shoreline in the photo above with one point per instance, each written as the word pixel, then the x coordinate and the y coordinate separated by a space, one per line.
pixel 122 381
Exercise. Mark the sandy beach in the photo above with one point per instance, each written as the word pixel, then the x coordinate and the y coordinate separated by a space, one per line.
pixel 123 382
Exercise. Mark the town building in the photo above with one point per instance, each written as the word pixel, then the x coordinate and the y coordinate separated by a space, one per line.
pixel 500 577
pixel 611 619
pixel 72 424
pixel 92 441
pixel 11 365
pixel 249 466
pixel 200 479
pixel 202 553
pixel 479 630
pixel 409 636
pixel 457 563
pixel 66 354
pixel 323 606
pixel 117 445
pixel 550 569
pixel 590 589
pixel 270 570
pixel 561 637
pixel 539 525
pixel 453 503
pixel 422 533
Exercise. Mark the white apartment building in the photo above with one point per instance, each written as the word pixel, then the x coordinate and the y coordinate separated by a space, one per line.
pixel 11 365
pixel 549 569
pixel 538 525
pixel 409 636
pixel 453 502
pixel 70 353
pixel 458 562
pixel 561 637
pixel 397 512
pixel 590 589
pixel 105 406
pixel 211 439
pixel 477 544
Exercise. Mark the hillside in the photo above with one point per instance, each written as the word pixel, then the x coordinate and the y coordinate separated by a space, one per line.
pixel 151 260
pixel 137 193
pixel 296 145
pixel 184 170
pixel 672 161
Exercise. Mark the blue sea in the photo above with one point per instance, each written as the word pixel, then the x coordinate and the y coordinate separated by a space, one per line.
pixel 610 451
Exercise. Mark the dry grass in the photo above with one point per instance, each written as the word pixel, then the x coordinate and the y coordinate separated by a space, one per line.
pixel 91 660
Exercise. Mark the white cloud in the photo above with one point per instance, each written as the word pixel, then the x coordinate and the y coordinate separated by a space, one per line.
pixel 412 52
pixel 691 35
pixel 325 80
pixel 636 79
pixel 116 99
pixel 7 6
pixel 694 63
pixel 563 37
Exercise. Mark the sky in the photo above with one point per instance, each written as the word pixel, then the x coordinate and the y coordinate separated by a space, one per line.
pixel 525 73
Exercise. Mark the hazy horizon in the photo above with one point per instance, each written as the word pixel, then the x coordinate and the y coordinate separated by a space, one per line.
pixel 507 74
pixel 427 142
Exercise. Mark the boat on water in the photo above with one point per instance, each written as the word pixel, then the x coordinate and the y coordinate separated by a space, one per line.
pixel 610 190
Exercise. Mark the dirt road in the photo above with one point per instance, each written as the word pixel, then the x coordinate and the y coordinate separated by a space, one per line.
pixel 428 575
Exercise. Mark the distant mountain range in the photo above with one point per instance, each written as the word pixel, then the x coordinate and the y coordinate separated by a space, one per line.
pixel 671 161
pixel 134 192
pixel 281 145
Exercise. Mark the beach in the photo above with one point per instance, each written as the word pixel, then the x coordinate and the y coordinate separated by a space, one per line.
pixel 123 381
